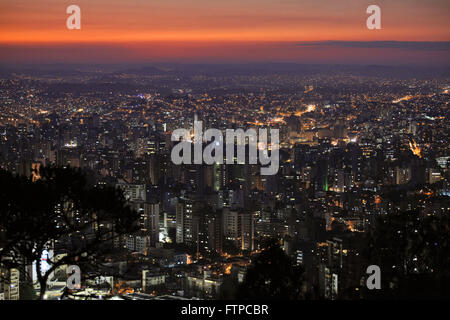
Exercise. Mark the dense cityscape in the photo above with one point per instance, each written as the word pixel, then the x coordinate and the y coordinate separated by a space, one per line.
pixel 363 180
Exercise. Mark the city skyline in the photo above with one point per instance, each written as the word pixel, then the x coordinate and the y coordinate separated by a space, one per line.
pixel 211 153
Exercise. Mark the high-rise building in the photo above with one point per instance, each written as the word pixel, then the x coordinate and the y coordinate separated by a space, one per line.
pixel 9 284
pixel 239 227
pixel 133 192
pixel 213 225
pixel 185 224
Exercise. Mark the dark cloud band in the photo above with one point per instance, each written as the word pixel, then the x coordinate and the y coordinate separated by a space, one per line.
pixel 406 45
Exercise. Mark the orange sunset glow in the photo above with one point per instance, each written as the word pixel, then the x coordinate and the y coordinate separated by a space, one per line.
pixel 247 29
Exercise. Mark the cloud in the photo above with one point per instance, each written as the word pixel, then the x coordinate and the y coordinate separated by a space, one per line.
pixel 405 45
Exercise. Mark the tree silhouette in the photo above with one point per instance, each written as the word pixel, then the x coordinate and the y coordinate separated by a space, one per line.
pixel 272 275
pixel 61 211
pixel 413 253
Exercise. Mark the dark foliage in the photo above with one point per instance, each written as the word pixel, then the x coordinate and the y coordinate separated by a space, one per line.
pixel 272 275
pixel 413 253
pixel 59 210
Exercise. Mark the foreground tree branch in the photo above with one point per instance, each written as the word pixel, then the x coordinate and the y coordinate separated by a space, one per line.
pixel 59 211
